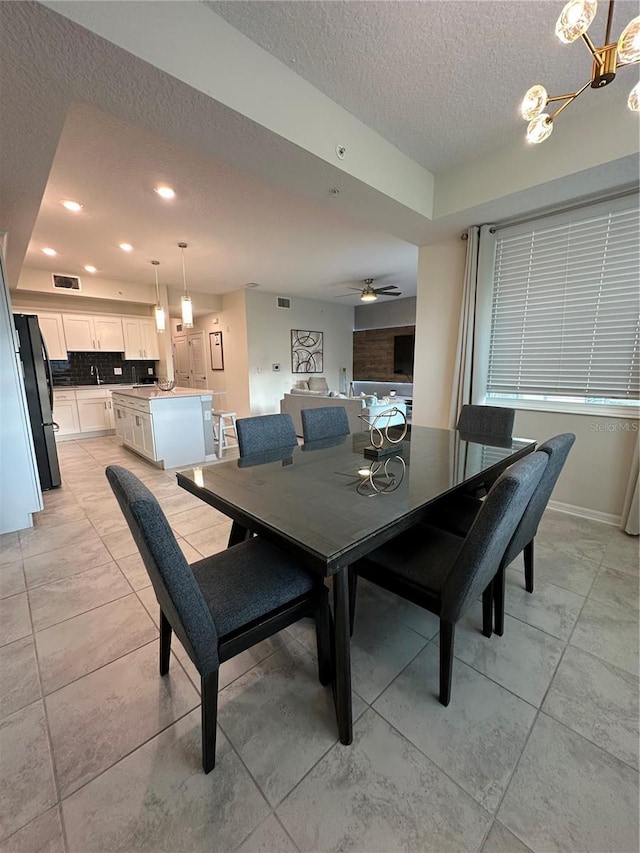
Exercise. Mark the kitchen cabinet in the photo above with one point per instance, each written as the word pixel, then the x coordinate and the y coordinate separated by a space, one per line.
pixel 140 338
pixel 53 333
pixel 169 428
pixel 93 333
pixel 65 413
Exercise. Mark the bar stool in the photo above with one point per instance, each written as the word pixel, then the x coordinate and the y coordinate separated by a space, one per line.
pixel 223 421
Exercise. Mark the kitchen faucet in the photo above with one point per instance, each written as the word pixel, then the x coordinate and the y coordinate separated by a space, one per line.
pixel 94 372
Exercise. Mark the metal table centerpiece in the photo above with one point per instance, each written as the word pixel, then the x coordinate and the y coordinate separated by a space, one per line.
pixel 382 442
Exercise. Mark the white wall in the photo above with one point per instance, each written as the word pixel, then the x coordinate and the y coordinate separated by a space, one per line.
pixel 440 280
pixel 386 313
pixel 269 335
pixel 93 287
pixel 597 471
pixel 595 477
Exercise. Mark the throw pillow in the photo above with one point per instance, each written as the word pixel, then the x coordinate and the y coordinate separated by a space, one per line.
pixel 318 383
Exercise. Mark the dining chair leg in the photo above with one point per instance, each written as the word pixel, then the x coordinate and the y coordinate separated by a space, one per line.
pixel 323 641
pixel 447 632
pixel 165 643
pixel 209 714
pixel 353 591
pixel 498 600
pixel 528 566
pixel 487 611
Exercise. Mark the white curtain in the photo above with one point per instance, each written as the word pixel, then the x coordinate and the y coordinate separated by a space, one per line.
pixel 475 321
pixel 631 507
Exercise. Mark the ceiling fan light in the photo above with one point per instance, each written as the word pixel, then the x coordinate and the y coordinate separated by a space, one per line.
pixel 629 42
pixel 539 129
pixel 575 19
pixel 534 102
pixel 634 98
pixel 368 296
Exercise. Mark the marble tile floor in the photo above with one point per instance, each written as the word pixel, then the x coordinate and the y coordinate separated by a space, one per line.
pixel 537 751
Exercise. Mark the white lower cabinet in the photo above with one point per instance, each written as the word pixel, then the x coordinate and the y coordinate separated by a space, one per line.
pixel 65 413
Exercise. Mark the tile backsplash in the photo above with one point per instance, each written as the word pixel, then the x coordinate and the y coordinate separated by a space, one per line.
pixel 76 370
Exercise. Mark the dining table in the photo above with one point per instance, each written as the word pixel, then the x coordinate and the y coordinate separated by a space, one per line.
pixel 329 504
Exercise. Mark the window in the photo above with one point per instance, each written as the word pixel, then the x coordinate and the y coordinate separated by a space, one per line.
pixel 565 316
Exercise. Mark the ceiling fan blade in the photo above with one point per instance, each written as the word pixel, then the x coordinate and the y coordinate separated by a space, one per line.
pixel 391 294
pixel 385 288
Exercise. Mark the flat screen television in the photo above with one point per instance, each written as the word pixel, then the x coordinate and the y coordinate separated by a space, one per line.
pixel 403 346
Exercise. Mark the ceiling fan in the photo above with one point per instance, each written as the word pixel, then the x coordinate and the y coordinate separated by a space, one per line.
pixel 368 293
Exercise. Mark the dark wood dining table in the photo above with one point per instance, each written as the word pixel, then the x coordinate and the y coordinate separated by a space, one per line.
pixel 330 505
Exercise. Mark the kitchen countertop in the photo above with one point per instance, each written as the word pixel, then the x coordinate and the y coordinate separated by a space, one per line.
pixel 153 393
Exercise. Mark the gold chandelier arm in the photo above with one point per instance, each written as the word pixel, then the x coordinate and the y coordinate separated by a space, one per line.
pixel 569 101
pixel 593 50
pixel 609 22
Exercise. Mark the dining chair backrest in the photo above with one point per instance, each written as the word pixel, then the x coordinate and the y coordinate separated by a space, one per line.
pixel 486 542
pixel 173 582
pixel 324 422
pixel 265 432
pixel 557 450
pixel 486 420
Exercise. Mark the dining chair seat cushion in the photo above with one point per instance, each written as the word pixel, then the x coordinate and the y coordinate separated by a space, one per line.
pixel 422 555
pixel 247 581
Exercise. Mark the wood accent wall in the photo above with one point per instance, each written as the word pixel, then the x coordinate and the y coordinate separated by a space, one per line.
pixel 373 354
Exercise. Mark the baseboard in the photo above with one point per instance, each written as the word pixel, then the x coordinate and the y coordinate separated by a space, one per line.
pixel 75 436
pixel 583 512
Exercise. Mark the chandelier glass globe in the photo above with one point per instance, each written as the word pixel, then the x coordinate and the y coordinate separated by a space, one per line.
pixel 539 129
pixel 575 19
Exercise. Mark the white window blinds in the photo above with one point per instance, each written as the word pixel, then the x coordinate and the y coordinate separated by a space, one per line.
pixel 566 309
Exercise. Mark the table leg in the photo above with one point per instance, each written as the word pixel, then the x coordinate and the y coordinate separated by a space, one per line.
pixel 343 655
pixel 238 534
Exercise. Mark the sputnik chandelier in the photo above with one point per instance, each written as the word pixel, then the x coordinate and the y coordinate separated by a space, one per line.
pixel 573 23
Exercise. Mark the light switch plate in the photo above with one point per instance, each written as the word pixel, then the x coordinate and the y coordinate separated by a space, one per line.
pixel 117 371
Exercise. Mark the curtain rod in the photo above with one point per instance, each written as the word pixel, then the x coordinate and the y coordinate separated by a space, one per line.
pixel 578 205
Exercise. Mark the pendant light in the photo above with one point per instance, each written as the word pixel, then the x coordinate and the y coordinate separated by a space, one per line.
pixel 187 305
pixel 159 310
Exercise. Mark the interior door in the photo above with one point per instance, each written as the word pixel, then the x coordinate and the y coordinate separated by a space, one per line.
pixel 181 360
pixel 197 361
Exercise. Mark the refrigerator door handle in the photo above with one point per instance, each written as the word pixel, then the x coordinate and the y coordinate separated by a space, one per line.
pixel 47 365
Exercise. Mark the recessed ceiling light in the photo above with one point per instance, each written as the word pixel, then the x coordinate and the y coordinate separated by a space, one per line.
pixel 49 251
pixel 90 268
pixel 165 192
pixel 126 247
pixel 74 206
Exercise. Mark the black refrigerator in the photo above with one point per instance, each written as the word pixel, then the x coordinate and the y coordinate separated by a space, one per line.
pixel 38 386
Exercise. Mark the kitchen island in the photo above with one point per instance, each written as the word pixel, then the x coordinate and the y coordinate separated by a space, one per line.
pixel 169 428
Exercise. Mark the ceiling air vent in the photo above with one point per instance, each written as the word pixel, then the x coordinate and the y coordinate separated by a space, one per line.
pixel 284 302
pixel 66 282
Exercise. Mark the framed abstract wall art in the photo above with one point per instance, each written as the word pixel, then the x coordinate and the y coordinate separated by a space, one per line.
pixel 306 351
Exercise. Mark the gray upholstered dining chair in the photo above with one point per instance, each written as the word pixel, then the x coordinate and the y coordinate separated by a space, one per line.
pixel 486 420
pixel 222 605
pixel 445 573
pixel 324 422
pixel 265 432
pixel 458 514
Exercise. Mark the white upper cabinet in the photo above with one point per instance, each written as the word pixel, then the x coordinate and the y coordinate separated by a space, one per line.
pixel 53 334
pixel 88 333
pixel 140 338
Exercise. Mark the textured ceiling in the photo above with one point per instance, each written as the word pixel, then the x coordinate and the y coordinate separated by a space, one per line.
pixel 253 206
pixel 441 80
pixel 239 228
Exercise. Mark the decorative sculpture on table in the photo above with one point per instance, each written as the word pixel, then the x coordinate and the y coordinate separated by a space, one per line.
pixel 381 477
pixel 383 442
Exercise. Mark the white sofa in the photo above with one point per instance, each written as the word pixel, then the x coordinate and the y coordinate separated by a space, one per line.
pixel 294 402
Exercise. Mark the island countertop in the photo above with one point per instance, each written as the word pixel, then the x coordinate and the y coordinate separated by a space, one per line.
pixel 153 393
